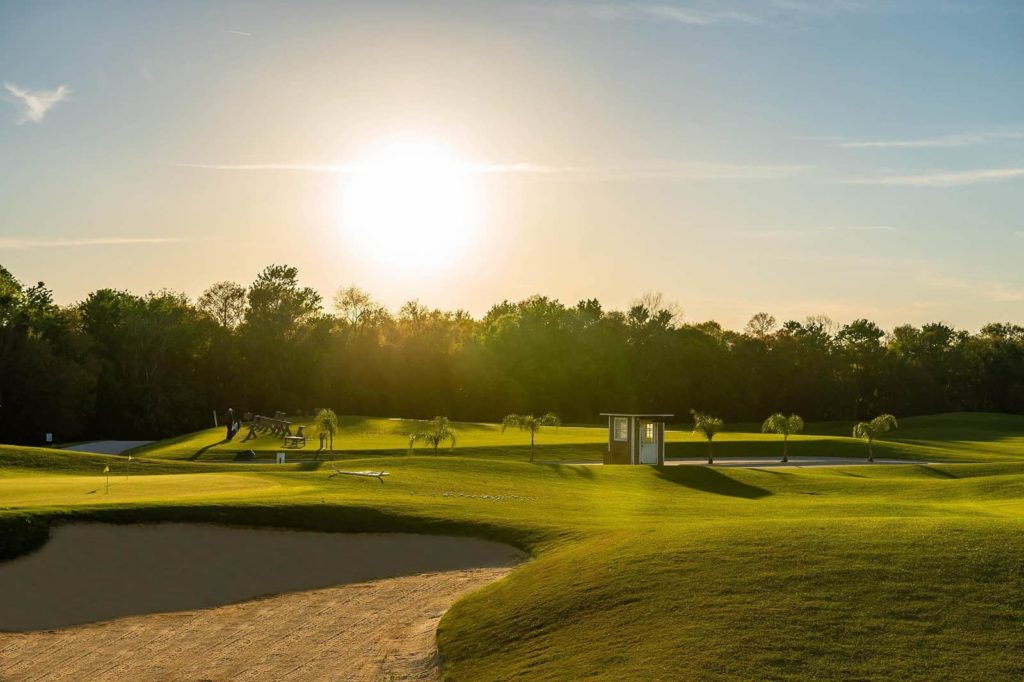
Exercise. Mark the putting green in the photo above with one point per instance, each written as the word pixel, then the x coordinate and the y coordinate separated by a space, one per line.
pixel 71 491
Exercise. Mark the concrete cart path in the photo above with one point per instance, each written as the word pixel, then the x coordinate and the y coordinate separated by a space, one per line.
pixel 762 462
pixel 108 447
pixel 793 462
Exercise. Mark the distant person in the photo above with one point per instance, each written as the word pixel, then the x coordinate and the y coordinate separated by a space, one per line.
pixel 231 424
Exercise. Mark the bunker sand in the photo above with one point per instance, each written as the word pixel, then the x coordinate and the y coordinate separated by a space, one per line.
pixel 380 630
pixel 365 630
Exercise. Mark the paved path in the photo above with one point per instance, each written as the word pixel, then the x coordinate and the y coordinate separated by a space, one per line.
pixel 762 462
pixel 794 462
pixel 108 447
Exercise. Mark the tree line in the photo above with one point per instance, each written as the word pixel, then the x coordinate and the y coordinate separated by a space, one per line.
pixel 124 365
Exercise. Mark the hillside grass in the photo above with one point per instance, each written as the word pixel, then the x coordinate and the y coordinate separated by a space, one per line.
pixel 975 437
pixel 874 572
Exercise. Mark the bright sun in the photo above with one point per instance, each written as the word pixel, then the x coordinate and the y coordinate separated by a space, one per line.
pixel 410 203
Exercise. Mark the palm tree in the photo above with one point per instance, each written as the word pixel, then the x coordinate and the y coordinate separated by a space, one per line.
pixel 707 426
pixel 527 422
pixel 440 431
pixel 872 429
pixel 326 422
pixel 784 426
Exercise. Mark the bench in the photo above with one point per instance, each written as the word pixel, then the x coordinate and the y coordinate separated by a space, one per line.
pixel 273 426
pixel 296 441
pixel 379 475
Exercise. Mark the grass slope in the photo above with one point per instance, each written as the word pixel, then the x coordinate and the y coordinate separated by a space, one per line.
pixel 954 437
pixel 882 572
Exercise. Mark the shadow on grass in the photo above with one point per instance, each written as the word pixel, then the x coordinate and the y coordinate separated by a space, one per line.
pixel 709 480
pixel 936 473
pixel 563 470
pixel 201 451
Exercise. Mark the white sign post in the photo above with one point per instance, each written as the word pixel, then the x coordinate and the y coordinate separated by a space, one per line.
pixel 49 438
pixel 280 458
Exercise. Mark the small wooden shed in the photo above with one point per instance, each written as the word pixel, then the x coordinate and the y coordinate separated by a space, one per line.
pixel 635 438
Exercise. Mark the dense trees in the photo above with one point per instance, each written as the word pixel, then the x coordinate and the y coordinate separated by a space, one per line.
pixel 124 365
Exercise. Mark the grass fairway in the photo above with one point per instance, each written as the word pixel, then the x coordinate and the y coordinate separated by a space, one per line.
pixel 881 572
pixel 953 437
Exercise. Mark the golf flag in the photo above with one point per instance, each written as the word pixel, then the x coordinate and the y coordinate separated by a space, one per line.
pixel 106 469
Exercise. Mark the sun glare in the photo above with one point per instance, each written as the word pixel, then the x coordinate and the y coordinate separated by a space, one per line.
pixel 410 203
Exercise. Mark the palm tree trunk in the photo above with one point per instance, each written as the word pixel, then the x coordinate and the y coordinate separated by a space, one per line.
pixel 785 448
pixel 871 451
pixel 531 446
pixel 711 458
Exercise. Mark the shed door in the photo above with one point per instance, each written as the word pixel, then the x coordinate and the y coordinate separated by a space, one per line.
pixel 648 442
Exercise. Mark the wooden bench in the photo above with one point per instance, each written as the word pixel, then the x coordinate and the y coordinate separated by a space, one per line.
pixel 379 475
pixel 275 427
pixel 296 441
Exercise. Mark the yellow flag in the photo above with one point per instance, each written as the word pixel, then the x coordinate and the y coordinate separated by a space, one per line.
pixel 106 469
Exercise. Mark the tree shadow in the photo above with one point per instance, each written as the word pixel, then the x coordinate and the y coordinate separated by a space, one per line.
pixel 309 465
pixel 582 470
pixel 201 451
pixel 710 480
pixel 936 473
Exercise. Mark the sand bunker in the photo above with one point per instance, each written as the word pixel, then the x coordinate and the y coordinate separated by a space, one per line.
pixel 366 632
pixel 96 572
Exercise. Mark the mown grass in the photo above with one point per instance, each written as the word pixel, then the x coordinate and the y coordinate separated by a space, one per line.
pixel 881 572
pixel 955 437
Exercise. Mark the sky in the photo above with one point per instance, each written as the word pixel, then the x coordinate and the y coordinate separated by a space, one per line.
pixel 853 158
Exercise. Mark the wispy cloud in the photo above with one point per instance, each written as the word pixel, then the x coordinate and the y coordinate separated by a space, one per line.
pixel 351 168
pixel 943 141
pixel 34 104
pixel 33 243
pixel 944 179
pixel 696 17
pixel 688 14
pixel 785 234
pixel 991 290
pixel 863 228
pixel 238 33
pixel 710 13
pixel 637 172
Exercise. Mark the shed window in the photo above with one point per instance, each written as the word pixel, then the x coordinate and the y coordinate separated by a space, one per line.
pixel 621 428
pixel 649 432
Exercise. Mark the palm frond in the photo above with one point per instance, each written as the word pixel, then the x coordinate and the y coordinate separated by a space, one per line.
pixel 706 425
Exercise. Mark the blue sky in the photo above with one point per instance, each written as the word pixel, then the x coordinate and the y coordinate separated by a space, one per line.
pixel 851 158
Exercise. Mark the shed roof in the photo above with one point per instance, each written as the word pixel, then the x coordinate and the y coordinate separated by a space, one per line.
pixel 633 414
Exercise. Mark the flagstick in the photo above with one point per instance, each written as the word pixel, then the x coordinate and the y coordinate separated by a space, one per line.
pixel 106 470
pixel 127 467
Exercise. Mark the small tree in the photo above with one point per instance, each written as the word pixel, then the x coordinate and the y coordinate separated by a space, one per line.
pixel 784 426
pixel 528 422
pixel 707 426
pixel 327 422
pixel 440 431
pixel 872 429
